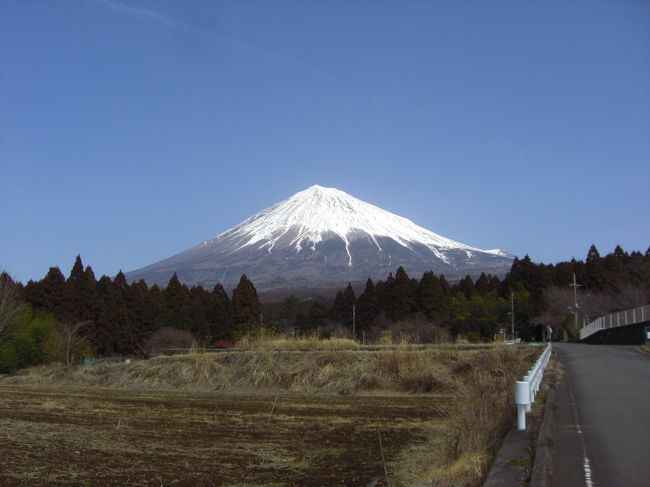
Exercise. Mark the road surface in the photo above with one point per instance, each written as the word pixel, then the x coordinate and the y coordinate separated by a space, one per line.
pixel 602 432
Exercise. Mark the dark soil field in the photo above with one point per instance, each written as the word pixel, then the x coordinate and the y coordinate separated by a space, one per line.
pixel 54 436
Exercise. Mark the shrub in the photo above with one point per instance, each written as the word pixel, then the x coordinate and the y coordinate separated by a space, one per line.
pixel 29 340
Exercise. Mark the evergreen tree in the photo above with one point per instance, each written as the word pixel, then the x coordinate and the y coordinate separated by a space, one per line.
pixel 431 298
pixel 112 332
pixel 198 322
pixel 594 270
pixel 218 313
pixel 619 253
pixel 466 286
pixel 48 293
pixel 367 306
pixel 482 284
pixel 245 307
pixel 141 318
pixel 384 291
pixel 178 304
pixel 446 288
pixel 402 297
pixel 80 295
pixel 220 293
pixel 156 309
pixel 531 277
pixel 593 254
pixel 343 303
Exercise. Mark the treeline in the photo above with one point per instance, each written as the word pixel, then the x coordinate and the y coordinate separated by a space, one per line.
pixel 118 317
pixel 541 295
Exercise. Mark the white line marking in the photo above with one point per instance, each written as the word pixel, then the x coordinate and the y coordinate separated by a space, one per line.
pixel 586 464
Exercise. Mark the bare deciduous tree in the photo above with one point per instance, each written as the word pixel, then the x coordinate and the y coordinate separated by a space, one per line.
pixel 72 334
pixel 591 304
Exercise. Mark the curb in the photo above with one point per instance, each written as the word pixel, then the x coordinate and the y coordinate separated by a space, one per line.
pixel 542 474
pixel 508 469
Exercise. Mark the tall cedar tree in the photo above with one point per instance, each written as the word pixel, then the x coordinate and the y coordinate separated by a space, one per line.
pixel 48 293
pixel 432 300
pixel 178 304
pixel 466 286
pixel 343 303
pixel 199 324
pixel 113 331
pixel 218 313
pixel 245 307
pixel 80 294
pixel 367 306
pixel 402 297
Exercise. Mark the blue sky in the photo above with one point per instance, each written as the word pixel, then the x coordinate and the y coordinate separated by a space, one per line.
pixel 130 131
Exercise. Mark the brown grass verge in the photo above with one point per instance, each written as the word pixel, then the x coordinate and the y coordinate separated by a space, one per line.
pixel 456 451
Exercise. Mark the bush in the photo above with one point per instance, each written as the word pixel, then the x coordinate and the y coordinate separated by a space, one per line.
pixel 30 340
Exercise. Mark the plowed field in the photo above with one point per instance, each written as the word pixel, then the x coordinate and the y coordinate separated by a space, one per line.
pixel 53 436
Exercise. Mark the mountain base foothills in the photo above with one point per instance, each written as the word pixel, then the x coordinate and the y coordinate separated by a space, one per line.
pixel 106 382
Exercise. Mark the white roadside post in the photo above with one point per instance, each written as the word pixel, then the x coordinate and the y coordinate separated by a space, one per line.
pixel 522 399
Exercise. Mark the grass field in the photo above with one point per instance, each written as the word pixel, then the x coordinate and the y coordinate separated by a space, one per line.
pixel 261 418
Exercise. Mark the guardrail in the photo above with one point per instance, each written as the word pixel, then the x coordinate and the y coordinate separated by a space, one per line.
pixel 527 388
pixel 614 320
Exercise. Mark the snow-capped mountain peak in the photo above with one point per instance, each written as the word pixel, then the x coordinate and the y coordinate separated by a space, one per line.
pixel 317 212
pixel 322 237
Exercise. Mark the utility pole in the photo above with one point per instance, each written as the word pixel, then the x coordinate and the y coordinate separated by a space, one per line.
pixel 575 287
pixel 512 313
pixel 354 321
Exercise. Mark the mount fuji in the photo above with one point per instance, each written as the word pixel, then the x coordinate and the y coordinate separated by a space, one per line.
pixel 321 238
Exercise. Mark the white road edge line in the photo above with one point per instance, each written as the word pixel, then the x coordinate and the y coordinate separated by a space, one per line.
pixel 586 463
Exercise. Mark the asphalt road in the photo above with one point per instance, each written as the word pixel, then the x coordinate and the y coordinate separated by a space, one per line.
pixel 602 432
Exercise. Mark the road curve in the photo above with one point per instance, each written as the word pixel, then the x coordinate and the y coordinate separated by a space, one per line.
pixel 602 432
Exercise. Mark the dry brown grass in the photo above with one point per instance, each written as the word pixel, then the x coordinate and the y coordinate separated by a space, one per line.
pixel 268 341
pixel 337 371
pixel 481 416
pixel 476 382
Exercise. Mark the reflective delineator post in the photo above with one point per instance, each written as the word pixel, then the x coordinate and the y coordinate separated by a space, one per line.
pixel 522 399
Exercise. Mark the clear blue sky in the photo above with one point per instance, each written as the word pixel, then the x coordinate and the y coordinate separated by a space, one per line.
pixel 130 131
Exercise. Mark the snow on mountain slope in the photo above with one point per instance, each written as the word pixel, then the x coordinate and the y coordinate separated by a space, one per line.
pixel 322 238
pixel 319 211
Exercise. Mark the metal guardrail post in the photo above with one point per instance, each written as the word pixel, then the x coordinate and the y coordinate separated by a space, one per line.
pixel 526 389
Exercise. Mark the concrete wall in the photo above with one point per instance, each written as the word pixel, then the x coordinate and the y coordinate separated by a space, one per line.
pixel 623 335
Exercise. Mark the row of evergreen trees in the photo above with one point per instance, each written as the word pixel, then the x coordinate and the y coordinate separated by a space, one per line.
pixel 121 315
pixel 478 308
